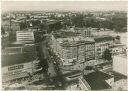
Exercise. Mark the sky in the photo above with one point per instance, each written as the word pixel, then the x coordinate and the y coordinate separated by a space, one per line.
pixel 62 5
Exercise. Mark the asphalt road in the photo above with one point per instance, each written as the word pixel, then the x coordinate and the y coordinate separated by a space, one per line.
pixel 54 72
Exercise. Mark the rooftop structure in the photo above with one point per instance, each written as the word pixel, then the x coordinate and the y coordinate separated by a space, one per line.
pixel 65 34
pixel 75 41
pixel 103 38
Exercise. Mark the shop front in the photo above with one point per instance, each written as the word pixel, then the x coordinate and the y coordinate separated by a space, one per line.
pixel 17 72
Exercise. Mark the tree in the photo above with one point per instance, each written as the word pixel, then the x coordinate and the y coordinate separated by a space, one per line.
pixel 89 68
pixel 44 65
pixel 23 25
pixel 120 22
pixel 78 20
pixel 107 55
pixel 2 31
pixel 36 23
pixel 54 26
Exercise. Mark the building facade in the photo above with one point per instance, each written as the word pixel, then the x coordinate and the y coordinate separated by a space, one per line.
pixel 76 48
pixel 25 36
pixel 18 63
pixel 101 44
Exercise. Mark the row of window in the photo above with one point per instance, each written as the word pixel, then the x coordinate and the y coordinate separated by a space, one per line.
pixel 15 67
pixel 25 38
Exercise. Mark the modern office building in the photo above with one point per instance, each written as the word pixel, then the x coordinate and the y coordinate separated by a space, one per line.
pixel 25 36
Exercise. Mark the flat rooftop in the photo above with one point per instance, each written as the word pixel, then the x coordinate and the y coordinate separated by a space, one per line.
pixel 64 34
pixel 96 80
pixel 19 49
pixel 74 41
pixel 13 59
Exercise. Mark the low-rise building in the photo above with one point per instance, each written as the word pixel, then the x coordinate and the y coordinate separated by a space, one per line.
pixel 98 80
pixel 85 32
pixel 120 81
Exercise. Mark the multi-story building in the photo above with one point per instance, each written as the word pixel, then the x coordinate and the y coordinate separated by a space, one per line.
pixel 18 62
pixel 101 44
pixel 76 48
pixel 25 36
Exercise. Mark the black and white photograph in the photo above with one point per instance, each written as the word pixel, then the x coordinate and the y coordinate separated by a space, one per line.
pixel 64 45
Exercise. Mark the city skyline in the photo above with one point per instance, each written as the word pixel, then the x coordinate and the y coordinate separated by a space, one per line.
pixel 63 5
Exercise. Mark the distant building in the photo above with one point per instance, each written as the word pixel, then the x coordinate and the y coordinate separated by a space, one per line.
pixel 13 25
pixel 85 32
pixel 25 36
pixel 101 44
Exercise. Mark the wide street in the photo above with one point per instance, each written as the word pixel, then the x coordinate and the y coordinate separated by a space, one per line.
pixel 53 73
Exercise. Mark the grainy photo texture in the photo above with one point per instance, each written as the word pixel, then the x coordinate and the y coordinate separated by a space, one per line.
pixel 64 45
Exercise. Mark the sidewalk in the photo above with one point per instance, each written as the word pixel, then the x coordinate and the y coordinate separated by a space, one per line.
pixel 51 70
